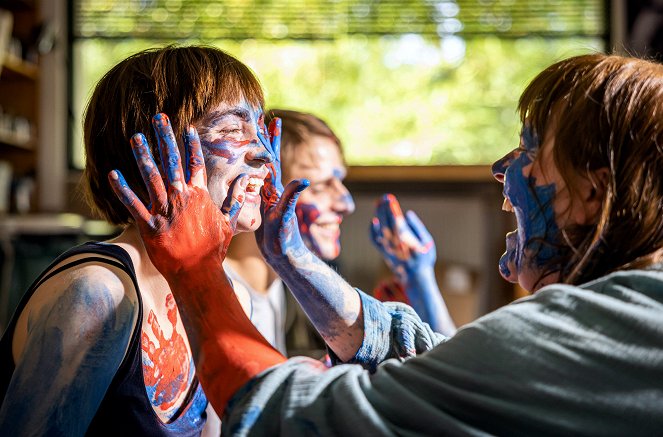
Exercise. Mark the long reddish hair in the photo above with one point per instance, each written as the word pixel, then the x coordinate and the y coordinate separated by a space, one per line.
pixel 608 113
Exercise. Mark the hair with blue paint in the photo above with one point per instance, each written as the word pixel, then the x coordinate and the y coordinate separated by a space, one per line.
pixel 183 82
pixel 608 111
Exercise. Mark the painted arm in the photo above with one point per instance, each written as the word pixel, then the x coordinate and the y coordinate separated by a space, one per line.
pixel 76 340
pixel 332 305
pixel 409 251
pixel 186 236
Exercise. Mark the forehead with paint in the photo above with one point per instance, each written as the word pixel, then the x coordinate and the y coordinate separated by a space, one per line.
pixel 321 207
pixel 231 146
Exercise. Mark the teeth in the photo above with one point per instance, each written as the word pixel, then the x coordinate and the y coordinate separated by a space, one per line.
pixel 506 206
pixel 256 182
pixel 330 226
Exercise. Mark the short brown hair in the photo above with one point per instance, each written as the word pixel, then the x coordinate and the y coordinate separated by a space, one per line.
pixel 183 82
pixel 297 130
pixel 608 113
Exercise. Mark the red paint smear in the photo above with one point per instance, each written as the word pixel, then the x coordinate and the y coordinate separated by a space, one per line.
pixel 169 369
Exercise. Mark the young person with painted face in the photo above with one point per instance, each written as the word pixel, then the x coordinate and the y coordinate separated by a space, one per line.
pixel 582 355
pixel 98 345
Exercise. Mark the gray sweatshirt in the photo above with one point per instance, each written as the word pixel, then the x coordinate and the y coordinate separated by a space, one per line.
pixel 568 360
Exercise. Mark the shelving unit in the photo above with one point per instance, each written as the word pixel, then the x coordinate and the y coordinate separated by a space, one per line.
pixel 19 90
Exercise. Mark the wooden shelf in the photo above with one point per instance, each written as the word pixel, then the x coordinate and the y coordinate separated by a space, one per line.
pixel 19 90
pixel 18 68
pixel 412 173
pixel 7 139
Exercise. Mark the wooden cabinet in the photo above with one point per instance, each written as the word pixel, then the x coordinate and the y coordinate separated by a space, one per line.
pixel 19 97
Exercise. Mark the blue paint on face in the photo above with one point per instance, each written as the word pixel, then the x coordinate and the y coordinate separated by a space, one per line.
pixel 231 145
pixel 345 197
pixel 531 247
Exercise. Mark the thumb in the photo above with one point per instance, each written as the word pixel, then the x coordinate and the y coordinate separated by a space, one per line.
pixel 232 206
pixel 286 206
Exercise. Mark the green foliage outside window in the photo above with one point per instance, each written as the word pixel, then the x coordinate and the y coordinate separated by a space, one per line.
pixel 420 98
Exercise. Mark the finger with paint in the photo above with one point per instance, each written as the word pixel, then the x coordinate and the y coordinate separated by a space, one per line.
pixel 279 237
pixel 272 142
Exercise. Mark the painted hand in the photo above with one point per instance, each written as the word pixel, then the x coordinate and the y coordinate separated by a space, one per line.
pixel 403 241
pixel 409 250
pixel 278 235
pixel 182 227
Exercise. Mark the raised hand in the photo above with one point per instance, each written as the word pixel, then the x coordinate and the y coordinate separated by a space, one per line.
pixel 186 236
pixel 409 250
pixel 182 227
pixel 403 241
pixel 331 304
pixel 278 236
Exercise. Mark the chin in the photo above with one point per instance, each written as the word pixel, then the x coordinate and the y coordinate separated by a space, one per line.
pixel 328 251
pixel 248 222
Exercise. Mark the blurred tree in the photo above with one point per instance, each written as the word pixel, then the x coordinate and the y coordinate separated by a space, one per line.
pixel 407 82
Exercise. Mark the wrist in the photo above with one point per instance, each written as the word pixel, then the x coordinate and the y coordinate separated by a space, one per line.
pixel 289 259
pixel 418 276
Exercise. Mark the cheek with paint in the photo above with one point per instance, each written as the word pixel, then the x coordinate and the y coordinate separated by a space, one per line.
pixel 307 214
pixel 348 202
pixel 229 150
pixel 532 245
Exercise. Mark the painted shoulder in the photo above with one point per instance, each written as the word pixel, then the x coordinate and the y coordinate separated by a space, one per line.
pixel 80 298
pixel 68 344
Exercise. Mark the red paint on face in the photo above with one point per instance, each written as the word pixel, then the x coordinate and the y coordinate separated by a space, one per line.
pixel 226 149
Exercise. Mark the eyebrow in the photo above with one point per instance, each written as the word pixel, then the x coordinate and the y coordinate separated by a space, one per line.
pixel 215 117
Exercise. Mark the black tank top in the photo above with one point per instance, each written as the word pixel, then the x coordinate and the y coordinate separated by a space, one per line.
pixel 125 409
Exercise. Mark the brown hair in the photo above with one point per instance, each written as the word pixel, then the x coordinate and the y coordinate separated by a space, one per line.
pixel 183 82
pixel 296 131
pixel 608 113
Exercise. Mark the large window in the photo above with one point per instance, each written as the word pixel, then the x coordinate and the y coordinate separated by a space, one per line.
pixel 401 82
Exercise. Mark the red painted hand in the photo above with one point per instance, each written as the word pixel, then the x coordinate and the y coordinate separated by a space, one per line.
pixel 182 228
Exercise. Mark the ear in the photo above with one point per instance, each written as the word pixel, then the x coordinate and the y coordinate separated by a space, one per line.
pixel 593 192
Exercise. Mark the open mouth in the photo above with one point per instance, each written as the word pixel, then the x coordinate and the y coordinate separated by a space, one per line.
pixel 254 185
pixel 329 228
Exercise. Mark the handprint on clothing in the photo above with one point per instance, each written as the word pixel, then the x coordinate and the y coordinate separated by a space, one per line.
pixel 167 364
